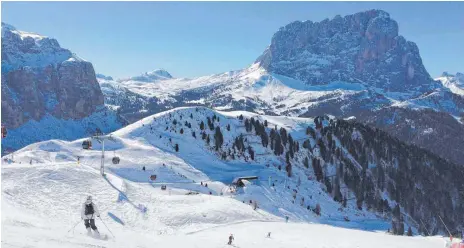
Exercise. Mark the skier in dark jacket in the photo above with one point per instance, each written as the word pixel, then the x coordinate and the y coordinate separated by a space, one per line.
pixel 231 238
pixel 88 213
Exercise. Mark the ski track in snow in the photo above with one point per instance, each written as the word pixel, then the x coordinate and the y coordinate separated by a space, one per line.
pixel 42 201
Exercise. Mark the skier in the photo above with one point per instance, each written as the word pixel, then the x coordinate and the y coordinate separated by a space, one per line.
pixel 231 238
pixel 89 210
pixel 286 218
pixel 269 234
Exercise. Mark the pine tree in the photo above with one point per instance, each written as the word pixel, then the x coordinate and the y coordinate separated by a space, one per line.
pixel 210 124
pixel 207 139
pixel 394 229
pixel 202 126
pixel 283 136
pixel 317 210
pixel 306 162
pixel 278 148
pixel 181 131
pixel 409 231
pixel 218 138
pixel 288 168
pixel 177 147
pixel 251 152
pixel 191 116
pixel 240 117
pixel 228 127
pixel 194 135
pixel 291 145
pixel 265 121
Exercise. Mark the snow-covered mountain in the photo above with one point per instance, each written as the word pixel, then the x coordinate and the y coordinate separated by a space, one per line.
pixel 300 163
pixel 453 82
pixel 357 65
pixel 159 74
pixel 44 84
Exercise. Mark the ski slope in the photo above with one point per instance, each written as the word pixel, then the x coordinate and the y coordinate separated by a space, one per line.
pixel 41 201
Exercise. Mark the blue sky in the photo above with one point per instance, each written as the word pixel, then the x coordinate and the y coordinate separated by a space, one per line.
pixel 191 39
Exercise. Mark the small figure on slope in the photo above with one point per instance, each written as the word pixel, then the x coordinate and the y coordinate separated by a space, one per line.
pixel 88 213
pixel 231 238
pixel 255 205
pixel 269 234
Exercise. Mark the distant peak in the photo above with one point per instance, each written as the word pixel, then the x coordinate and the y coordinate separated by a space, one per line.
pixel 7 26
pixel 446 74
pixel 101 76
pixel 158 74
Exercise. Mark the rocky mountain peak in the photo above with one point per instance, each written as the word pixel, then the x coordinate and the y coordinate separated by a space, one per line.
pixel 20 48
pixel 39 78
pixel 363 47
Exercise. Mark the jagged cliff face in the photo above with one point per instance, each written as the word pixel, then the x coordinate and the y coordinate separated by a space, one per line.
pixel 364 47
pixel 39 77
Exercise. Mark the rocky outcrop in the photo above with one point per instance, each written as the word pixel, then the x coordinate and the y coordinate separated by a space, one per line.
pixel 363 47
pixel 39 77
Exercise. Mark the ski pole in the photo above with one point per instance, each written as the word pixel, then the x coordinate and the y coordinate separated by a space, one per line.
pixel 106 227
pixel 74 226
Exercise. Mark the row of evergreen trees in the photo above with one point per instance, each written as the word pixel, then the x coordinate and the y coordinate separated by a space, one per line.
pixel 369 162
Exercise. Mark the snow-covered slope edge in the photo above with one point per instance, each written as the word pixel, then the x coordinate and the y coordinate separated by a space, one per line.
pixel 326 163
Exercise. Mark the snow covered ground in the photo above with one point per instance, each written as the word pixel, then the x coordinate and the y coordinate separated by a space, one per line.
pixel 276 93
pixel 41 201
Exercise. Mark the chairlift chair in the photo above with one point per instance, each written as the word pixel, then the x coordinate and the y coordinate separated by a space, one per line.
pixel 115 159
pixel 87 144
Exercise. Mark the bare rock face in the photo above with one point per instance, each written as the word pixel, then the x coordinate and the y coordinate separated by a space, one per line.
pixel 39 77
pixel 363 47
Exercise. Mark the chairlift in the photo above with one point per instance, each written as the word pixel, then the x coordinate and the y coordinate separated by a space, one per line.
pixel 115 159
pixel 87 144
pixel 4 132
